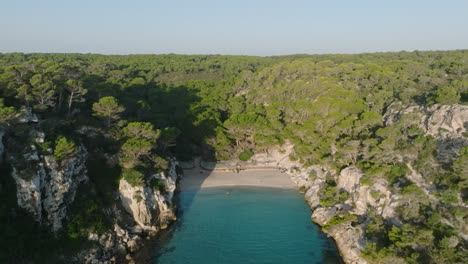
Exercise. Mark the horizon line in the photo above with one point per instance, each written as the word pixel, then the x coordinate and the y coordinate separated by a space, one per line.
pixel 233 55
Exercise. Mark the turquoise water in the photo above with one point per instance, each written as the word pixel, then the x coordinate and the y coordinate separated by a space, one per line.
pixel 245 225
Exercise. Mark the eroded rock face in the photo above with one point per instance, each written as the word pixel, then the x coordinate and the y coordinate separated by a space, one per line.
pixel 111 247
pixel 27 116
pixel 314 187
pixel 349 179
pixel 28 192
pixel 46 187
pixel 446 120
pixel 349 238
pixel 312 181
pixel 151 207
pixel 322 215
pixel 447 123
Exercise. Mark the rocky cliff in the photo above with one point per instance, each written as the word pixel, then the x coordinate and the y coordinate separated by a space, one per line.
pixel 151 204
pixel 447 124
pixel 312 181
pixel 46 186
pixel 150 207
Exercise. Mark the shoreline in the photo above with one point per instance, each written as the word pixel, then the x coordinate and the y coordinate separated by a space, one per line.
pixel 197 179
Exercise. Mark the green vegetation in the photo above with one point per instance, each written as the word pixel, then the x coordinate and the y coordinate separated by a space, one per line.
pixel 246 155
pixel 108 108
pixel 64 148
pixel 134 177
pixel 140 109
pixel 157 185
pixel 341 219
pixel 7 114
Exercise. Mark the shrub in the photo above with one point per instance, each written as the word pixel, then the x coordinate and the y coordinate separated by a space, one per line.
pixel 86 216
pixel 332 195
pixel 312 176
pixel 340 219
pixel 157 184
pixel 396 172
pixel 45 147
pixel 133 177
pixel 64 148
pixel 246 155
pixel 375 194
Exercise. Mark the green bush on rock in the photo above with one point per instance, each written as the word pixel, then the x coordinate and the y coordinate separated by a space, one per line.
pixel 246 155
pixel 133 177
pixel 64 148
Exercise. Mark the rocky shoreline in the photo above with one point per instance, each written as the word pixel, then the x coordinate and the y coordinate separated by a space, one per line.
pixel 151 211
pixel 46 187
pixel 349 239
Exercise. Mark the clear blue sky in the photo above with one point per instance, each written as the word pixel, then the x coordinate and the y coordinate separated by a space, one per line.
pixel 253 27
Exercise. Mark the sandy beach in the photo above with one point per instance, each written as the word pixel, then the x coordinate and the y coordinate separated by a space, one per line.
pixel 262 177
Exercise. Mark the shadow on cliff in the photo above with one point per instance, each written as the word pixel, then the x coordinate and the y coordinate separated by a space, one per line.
pixel 176 107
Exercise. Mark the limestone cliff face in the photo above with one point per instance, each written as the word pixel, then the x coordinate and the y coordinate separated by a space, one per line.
pixel 46 187
pixel 440 121
pixel 150 207
pixel 447 123
pixel 312 180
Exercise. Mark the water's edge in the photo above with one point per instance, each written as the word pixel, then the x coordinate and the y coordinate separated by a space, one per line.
pixel 153 247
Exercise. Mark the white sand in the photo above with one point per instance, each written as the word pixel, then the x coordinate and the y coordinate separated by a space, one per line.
pixel 273 178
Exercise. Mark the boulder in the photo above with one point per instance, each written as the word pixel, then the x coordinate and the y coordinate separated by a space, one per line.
pixel 349 179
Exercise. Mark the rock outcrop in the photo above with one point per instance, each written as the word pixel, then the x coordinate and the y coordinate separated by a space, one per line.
pixel 151 206
pixel 45 186
pixel 27 116
pixel 150 209
pixel 312 181
pixel 447 123
pixel 111 247
pixel 349 238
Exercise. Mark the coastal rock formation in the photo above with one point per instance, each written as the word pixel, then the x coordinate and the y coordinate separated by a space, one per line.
pixel 111 247
pixel 149 205
pixel 349 179
pixel 447 124
pixel 45 186
pixel 349 238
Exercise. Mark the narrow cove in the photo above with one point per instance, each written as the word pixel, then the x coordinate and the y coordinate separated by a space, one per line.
pixel 243 225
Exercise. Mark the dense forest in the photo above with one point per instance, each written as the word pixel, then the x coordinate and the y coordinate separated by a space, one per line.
pixel 332 108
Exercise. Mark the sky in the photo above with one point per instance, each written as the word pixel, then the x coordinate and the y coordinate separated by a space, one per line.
pixel 243 27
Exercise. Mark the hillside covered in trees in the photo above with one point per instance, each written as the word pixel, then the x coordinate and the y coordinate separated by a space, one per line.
pixel 133 113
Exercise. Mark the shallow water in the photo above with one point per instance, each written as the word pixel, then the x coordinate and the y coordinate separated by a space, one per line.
pixel 244 225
